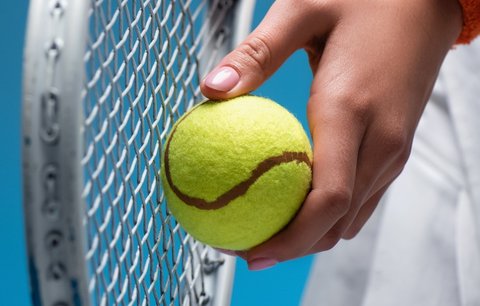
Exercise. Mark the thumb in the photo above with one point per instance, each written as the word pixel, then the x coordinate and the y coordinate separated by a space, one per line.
pixel 284 29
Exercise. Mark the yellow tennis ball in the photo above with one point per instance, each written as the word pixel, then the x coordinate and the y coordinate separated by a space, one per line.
pixel 235 172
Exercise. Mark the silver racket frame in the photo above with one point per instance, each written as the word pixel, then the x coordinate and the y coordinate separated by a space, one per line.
pixel 52 180
pixel 52 151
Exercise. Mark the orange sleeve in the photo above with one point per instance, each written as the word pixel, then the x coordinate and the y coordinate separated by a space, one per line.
pixel 471 21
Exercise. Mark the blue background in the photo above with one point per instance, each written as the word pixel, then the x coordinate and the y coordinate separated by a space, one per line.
pixel 280 285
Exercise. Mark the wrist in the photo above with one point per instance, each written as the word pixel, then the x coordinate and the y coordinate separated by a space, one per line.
pixel 441 19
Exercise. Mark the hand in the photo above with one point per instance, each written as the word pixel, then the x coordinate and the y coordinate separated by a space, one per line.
pixel 374 63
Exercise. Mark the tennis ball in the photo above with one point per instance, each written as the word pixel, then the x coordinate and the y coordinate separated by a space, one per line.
pixel 235 172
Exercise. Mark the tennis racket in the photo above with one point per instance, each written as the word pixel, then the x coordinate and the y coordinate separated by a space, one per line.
pixel 104 82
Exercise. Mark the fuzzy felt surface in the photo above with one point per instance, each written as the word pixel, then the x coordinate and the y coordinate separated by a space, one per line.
pixel 217 146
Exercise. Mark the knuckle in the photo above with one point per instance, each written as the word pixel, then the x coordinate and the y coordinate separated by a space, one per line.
pixel 347 101
pixel 255 52
pixel 339 195
pixel 337 200
pixel 359 106
pixel 396 141
pixel 330 242
pixel 351 233
pixel 335 234
pixel 397 144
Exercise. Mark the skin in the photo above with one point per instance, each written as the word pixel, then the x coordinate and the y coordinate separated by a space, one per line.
pixel 374 64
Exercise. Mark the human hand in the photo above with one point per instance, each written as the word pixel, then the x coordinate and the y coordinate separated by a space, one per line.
pixel 374 63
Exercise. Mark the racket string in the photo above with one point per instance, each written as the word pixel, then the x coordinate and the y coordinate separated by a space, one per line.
pixel 143 64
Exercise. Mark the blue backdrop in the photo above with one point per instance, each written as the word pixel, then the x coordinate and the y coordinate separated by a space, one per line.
pixel 280 285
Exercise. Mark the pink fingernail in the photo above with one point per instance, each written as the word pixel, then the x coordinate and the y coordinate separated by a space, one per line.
pixel 222 79
pixel 261 264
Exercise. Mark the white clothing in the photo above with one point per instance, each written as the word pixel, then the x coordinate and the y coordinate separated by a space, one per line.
pixel 422 245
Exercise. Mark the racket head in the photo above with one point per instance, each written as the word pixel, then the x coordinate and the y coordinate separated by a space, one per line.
pixel 104 81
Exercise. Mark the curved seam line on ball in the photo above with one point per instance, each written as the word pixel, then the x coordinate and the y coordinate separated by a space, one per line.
pixel 238 190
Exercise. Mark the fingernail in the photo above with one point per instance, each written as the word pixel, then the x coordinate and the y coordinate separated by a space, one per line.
pixel 227 252
pixel 261 264
pixel 222 79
